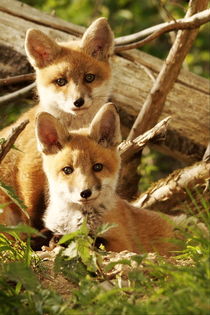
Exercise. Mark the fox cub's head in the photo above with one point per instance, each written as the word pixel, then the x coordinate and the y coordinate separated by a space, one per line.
pixel 81 166
pixel 75 75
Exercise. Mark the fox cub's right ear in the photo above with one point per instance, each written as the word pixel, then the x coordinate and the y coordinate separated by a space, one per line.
pixel 40 49
pixel 105 127
pixel 98 40
pixel 50 133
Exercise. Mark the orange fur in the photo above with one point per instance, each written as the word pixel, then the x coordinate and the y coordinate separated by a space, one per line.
pixel 72 61
pixel 137 230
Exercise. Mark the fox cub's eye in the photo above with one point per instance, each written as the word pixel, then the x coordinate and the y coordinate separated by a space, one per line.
pixel 67 170
pixel 98 167
pixel 89 77
pixel 61 81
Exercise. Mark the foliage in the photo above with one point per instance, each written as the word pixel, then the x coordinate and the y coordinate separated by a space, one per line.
pixel 9 191
pixel 165 286
pixel 178 285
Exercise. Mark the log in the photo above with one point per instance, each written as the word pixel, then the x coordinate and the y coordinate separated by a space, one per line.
pixel 171 191
pixel 187 103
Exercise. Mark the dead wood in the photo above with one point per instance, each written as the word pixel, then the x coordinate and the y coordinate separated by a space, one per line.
pixel 129 147
pixel 17 79
pixel 168 192
pixel 132 41
pixel 155 101
pixel 7 144
pixel 206 156
pixel 16 94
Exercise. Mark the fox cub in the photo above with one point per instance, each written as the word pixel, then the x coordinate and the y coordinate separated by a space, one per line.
pixel 73 82
pixel 82 169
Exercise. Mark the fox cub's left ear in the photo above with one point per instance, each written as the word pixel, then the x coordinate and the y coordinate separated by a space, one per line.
pixel 40 49
pixel 98 40
pixel 105 127
pixel 50 133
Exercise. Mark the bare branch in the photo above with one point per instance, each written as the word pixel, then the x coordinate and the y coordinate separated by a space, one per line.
pixel 6 146
pixel 172 190
pixel 206 156
pixel 129 147
pixel 155 101
pixel 11 96
pixel 17 79
pixel 133 41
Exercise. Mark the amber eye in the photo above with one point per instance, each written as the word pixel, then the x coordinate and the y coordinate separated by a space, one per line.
pixel 61 81
pixel 89 77
pixel 67 170
pixel 98 167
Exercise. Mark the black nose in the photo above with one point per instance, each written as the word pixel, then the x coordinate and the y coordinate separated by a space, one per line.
pixel 79 102
pixel 86 193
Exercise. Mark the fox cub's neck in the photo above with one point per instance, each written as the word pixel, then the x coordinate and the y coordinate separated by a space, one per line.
pixel 73 78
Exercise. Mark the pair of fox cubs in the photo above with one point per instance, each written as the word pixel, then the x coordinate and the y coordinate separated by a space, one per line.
pixel 74 172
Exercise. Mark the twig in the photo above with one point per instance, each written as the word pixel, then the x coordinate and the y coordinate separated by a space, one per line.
pixel 133 40
pixel 206 156
pixel 6 146
pixel 128 148
pixel 16 94
pixel 17 79
pixel 172 190
pixel 155 101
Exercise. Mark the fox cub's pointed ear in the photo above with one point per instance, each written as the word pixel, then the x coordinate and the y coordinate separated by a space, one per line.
pixel 105 127
pixel 98 40
pixel 40 49
pixel 50 133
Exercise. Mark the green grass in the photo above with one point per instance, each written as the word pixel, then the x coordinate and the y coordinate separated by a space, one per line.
pixel 174 286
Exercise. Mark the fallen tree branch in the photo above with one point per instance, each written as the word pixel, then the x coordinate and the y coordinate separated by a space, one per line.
pixel 28 13
pixel 6 145
pixel 155 100
pixel 169 191
pixel 11 96
pixel 17 79
pixel 133 41
pixel 206 156
pixel 130 147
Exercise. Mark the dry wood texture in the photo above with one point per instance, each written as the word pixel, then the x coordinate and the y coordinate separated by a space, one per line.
pixel 168 192
pixel 187 103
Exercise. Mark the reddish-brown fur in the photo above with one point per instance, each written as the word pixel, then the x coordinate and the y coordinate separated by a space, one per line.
pixel 51 60
pixel 137 230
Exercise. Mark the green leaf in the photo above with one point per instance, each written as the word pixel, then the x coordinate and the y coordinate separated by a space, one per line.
pixel 111 265
pixel 104 228
pixel 9 191
pixel 17 271
pixel 82 231
pixel 20 228
pixel 2 140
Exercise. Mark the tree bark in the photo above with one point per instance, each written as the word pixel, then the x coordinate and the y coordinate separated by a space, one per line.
pixel 169 192
pixel 155 101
